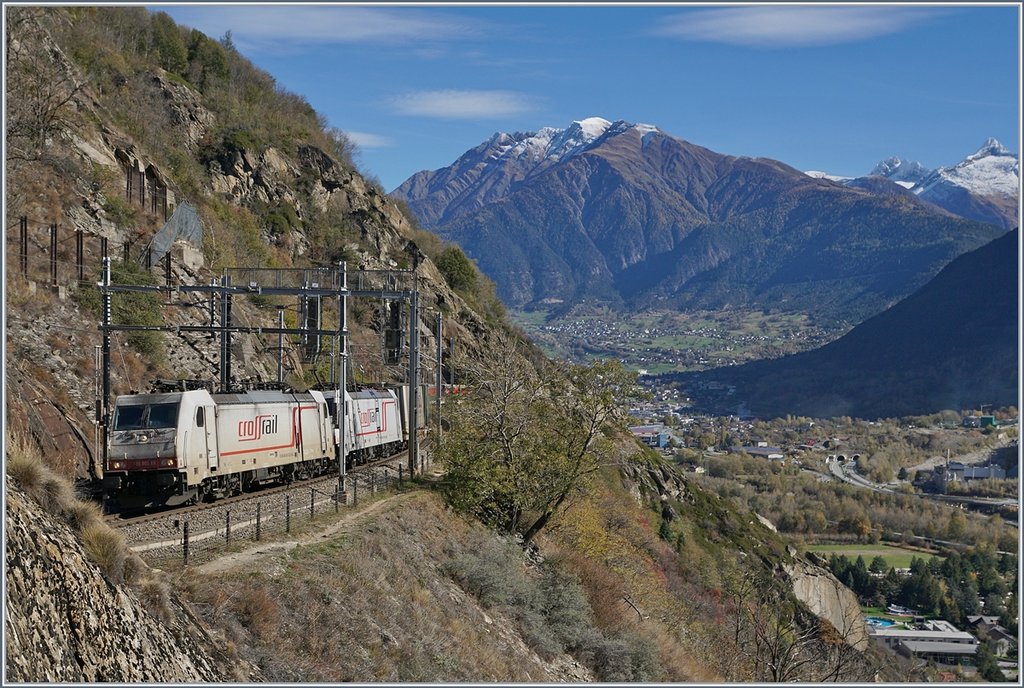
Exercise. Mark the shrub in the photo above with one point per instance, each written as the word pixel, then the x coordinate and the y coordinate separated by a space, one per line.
pixel 551 610
pixel 623 657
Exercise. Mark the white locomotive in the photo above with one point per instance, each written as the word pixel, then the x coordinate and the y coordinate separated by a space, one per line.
pixel 183 447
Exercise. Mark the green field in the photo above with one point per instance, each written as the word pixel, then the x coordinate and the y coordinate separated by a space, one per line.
pixel 894 556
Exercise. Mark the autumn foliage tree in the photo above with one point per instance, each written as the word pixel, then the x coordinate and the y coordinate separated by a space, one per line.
pixel 522 444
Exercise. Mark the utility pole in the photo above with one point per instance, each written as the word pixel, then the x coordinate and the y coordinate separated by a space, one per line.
pixel 414 376
pixel 225 334
pixel 103 410
pixel 440 347
pixel 339 393
pixel 280 345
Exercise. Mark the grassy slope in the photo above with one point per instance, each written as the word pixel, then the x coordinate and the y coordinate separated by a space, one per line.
pixel 418 593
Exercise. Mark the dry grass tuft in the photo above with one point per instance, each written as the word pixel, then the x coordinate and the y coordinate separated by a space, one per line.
pixel 107 549
pixel 258 610
pixel 155 595
pixel 25 466
pixel 81 514
pixel 22 465
pixel 105 546
pixel 135 569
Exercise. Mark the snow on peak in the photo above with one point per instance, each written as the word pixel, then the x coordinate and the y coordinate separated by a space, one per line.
pixel 990 147
pixel 818 174
pixel 552 144
pixel 991 171
pixel 592 127
pixel 898 170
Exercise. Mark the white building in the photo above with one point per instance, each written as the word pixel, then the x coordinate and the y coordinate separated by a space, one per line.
pixel 937 640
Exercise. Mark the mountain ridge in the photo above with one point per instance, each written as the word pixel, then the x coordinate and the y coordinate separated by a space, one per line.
pixel 638 217
pixel 952 344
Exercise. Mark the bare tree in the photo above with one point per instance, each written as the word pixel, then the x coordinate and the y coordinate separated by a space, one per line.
pixel 777 639
pixel 41 85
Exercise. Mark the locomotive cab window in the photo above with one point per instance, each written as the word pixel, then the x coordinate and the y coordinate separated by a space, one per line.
pixel 145 416
pixel 199 417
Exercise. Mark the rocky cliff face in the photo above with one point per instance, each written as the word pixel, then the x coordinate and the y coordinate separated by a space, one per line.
pixel 829 599
pixel 66 622
pixel 813 585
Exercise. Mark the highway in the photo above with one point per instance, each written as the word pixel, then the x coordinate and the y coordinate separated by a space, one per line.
pixel 849 474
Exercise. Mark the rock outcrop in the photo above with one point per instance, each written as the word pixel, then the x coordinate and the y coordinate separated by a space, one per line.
pixel 829 599
pixel 66 622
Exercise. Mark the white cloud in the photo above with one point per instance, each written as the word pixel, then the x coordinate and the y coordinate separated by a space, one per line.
pixel 787 26
pixel 365 139
pixel 290 27
pixel 455 104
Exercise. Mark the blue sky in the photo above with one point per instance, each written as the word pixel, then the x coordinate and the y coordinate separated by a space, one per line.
pixel 821 87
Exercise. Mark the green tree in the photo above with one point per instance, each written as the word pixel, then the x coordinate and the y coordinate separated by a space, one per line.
pixel 522 444
pixel 988 667
pixel 207 61
pixel 168 44
pixel 457 269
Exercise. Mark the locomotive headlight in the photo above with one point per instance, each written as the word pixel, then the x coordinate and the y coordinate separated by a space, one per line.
pixel 167 462
pixel 116 465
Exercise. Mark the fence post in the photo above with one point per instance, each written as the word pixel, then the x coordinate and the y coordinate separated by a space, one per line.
pixel 24 247
pixel 80 253
pixel 312 502
pixel 184 542
pixel 258 505
pixel 337 498
pixel 288 514
pixel 355 490
pixel 53 253
pixel 400 479
pixel 227 528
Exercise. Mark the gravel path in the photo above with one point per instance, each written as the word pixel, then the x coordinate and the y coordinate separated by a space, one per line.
pixel 260 551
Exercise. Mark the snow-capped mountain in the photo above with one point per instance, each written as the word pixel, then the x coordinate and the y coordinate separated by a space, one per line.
pixel 983 186
pixel 627 214
pixel 906 173
pixel 553 144
pixel 494 168
pixel 818 174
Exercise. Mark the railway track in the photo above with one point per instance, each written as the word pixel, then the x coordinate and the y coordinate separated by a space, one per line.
pixel 119 521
